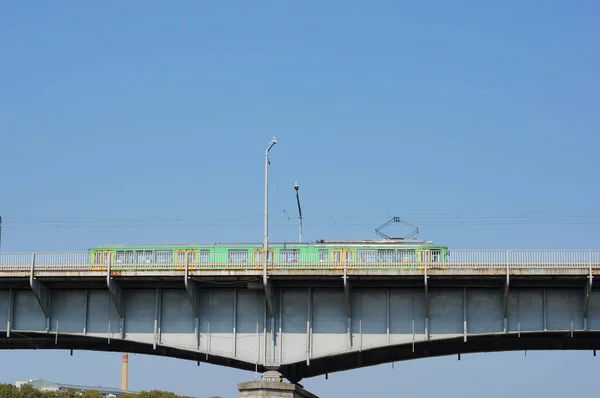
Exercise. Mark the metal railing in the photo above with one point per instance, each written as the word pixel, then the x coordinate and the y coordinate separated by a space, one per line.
pixel 80 261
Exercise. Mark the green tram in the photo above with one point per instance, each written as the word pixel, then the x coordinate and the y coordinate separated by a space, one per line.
pixel 386 252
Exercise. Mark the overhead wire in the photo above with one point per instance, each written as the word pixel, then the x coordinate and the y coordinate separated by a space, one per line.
pixel 315 219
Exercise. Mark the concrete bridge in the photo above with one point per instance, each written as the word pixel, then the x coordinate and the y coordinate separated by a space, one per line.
pixel 303 320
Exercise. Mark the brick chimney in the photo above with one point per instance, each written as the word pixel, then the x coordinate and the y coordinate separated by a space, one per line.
pixel 124 364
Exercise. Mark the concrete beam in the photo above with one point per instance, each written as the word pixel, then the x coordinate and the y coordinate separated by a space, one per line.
pixel 42 294
pixel 116 293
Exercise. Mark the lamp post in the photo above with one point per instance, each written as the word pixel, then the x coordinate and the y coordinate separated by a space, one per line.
pixel 266 238
pixel 296 187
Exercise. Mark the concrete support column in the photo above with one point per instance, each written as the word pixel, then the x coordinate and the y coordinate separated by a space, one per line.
pixel 272 386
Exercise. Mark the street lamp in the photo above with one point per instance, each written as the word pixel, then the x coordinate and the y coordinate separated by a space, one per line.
pixel 296 187
pixel 266 240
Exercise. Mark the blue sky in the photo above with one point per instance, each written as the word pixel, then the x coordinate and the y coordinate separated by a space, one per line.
pixel 144 109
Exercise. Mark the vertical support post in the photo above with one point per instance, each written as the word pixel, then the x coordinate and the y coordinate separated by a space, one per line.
pixel 10 312
pixel 235 298
pixel 257 343
pixel 426 277
pixel 588 292
pixel 308 327
pixel 208 334
pixel 273 339
pixel 413 334
pixel 160 300
pixel 412 310
pixel 208 337
pixel 518 315
pixel 348 296
pixel 280 326
pixel 465 314
pixel 506 293
pixel 545 310
pixel 387 314
pixel 360 335
pixel 155 340
pixel 265 338
pixel 109 319
pixel 85 312
pixel 197 333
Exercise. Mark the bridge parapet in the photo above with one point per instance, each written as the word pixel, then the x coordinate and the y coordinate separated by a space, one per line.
pixel 457 259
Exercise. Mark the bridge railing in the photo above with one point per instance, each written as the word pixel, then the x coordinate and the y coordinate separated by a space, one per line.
pixel 477 258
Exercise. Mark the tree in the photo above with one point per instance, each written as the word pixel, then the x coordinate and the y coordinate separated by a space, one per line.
pixel 8 390
pixel 28 391
pixel 91 394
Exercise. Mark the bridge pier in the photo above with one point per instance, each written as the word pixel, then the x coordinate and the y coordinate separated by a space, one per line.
pixel 272 385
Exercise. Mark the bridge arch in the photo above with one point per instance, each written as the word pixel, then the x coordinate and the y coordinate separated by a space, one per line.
pixel 295 372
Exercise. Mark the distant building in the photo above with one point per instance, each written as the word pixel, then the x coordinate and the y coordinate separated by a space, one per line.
pixel 45 385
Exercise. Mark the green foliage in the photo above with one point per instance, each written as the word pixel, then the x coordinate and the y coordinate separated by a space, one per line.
pixel 27 391
pixel 91 394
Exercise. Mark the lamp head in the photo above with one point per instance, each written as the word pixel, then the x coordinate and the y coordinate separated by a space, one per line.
pixel 296 186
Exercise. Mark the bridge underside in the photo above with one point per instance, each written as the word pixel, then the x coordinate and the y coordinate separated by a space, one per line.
pixel 315 327
pixel 527 341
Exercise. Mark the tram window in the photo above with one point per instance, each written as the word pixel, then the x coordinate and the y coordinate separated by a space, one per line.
pixel 204 256
pixel 144 256
pixel 407 255
pixel 163 257
pixel 366 256
pixel 238 256
pixel 387 256
pixel 323 255
pixel 289 256
pixel 125 257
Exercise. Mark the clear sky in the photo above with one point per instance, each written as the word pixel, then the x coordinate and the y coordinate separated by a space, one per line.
pixel 420 109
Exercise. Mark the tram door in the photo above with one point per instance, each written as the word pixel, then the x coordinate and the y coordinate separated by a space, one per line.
pixel 103 257
pixel 257 256
pixel 341 256
pixel 425 256
pixel 191 255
